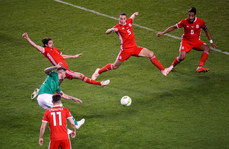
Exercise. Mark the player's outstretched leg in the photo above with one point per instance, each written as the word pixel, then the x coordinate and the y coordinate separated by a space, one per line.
pixel 108 67
pixel 98 71
pixel 147 53
pixel 88 80
pixel 203 59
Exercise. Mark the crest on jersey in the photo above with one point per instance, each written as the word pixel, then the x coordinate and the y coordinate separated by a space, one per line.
pixel 197 26
pixel 123 28
pixel 130 25
pixel 187 25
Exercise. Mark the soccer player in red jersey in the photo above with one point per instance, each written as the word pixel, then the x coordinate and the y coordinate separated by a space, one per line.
pixel 55 57
pixel 57 117
pixel 128 46
pixel 191 39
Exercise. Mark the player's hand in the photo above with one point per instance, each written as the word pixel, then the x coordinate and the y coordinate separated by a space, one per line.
pixel 73 134
pixel 213 45
pixel 159 34
pixel 59 65
pixel 25 35
pixel 78 55
pixel 114 29
pixel 41 141
pixel 136 13
pixel 77 100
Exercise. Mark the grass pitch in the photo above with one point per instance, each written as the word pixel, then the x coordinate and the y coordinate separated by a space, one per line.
pixel 183 110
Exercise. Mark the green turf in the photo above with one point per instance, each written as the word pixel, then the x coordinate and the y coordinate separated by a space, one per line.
pixel 181 111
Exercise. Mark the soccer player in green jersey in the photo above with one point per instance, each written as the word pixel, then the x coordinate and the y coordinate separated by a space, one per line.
pixel 52 85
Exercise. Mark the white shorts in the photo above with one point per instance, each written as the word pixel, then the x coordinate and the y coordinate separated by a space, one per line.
pixel 45 101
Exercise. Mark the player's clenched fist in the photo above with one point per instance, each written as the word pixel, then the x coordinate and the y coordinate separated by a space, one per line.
pixel 25 35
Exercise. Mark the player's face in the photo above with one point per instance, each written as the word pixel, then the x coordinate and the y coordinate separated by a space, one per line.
pixel 122 19
pixel 50 44
pixel 61 74
pixel 191 17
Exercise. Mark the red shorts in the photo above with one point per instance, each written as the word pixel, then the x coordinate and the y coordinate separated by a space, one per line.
pixel 69 74
pixel 63 144
pixel 187 46
pixel 124 54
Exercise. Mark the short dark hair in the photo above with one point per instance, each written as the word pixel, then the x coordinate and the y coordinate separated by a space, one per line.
pixel 61 68
pixel 122 14
pixel 193 9
pixel 45 41
pixel 56 98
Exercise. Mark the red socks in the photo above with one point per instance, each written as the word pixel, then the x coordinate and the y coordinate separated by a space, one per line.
pixel 87 80
pixel 156 62
pixel 176 61
pixel 106 68
pixel 203 59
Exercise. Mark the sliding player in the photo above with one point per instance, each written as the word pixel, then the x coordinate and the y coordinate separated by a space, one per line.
pixel 51 85
pixel 191 39
pixel 128 46
pixel 57 118
pixel 55 57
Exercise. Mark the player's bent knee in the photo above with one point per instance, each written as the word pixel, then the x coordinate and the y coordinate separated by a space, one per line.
pixel 181 58
pixel 151 54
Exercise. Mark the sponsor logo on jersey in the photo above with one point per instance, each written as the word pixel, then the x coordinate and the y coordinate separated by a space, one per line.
pixel 192 26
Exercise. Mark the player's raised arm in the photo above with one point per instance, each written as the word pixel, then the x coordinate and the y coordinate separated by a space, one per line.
pixel 42 131
pixel 72 56
pixel 39 48
pixel 73 125
pixel 111 30
pixel 134 15
pixel 210 38
pixel 171 28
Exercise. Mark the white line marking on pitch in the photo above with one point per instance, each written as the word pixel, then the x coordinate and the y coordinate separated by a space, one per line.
pixel 150 29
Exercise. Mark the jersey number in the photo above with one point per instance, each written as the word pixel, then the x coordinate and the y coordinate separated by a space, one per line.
pixel 192 32
pixel 54 118
pixel 129 32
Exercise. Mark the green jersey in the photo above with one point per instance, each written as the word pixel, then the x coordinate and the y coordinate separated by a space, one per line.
pixel 51 84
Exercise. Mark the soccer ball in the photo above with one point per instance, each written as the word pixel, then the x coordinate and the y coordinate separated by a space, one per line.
pixel 126 101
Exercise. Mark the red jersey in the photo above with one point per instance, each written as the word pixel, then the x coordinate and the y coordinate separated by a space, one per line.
pixel 126 34
pixel 192 30
pixel 54 56
pixel 57 117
